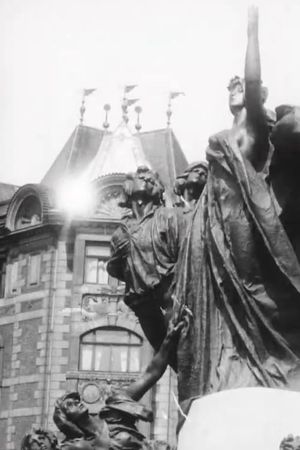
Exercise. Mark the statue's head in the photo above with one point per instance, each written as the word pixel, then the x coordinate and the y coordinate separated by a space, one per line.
pixel 39 439
pixel 286 135
pixel 69 411
pixel 290 443
pixel 194 177
pixel 144 185
pixel 236 90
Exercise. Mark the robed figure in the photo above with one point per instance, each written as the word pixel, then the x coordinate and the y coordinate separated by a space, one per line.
pixel 238 273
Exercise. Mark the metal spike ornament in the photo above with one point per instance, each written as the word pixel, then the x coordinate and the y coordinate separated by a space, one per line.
pixel 138 125
pixel 82 110
pixel 125 110
pixel 127 101
pixel 169 111
pixel 106 109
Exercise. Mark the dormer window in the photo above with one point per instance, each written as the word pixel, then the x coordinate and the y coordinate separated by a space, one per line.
pixel 29 213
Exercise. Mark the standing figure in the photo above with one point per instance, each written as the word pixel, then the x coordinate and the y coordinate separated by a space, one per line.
pixel 284 170
pixel 237 272
pixel 190 184
pixel 144 252
pixel 290 443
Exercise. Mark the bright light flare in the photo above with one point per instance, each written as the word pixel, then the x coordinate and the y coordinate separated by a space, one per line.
pixel 75 197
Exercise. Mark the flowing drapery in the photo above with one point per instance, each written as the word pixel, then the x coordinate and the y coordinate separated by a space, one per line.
pixel 239 276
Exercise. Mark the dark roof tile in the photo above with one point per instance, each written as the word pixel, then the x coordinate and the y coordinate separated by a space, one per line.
pixel 7 191
pixel 161 149
pixel 79 150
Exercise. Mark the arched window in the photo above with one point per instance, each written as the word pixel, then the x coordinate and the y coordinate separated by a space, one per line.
pixel 29 213
pixel 110 349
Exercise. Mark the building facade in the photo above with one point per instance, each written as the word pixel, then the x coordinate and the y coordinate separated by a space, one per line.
pixel 63 322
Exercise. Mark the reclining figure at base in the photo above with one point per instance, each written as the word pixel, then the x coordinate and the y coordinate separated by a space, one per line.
pixel 116 425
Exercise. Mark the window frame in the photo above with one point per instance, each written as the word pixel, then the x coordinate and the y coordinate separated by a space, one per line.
pixel 112 282
pixel 26 203
pixel 129 345
pixel 1 359
pixel 13 267
pixel 38 271
pixel 3 277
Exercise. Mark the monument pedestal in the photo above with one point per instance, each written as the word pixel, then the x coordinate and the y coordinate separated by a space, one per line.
pixel 246 418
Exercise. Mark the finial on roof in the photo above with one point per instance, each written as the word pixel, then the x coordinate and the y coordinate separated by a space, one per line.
pixel 124 107
pixel 169 111
pixel 106 109
pixel 138 125
pixel 85 93
pixel 127 101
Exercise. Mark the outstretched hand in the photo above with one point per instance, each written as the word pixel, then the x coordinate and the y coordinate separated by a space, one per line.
pixel 252 19
pixel 174 329
pixel 179 322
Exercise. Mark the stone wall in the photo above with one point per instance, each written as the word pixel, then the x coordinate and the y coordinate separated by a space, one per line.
pixel 35 337
pixel 41 327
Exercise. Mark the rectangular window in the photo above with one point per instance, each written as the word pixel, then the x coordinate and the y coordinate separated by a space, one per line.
pixel 87 357
pixel 14 277
pixel 34 269
pixel 96 256
pixel 2 277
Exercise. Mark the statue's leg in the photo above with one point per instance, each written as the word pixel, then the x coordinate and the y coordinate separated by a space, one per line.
pixel 151 319
pixel 154 324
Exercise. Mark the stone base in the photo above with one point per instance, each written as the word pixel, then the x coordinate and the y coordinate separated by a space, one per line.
pixel 246 418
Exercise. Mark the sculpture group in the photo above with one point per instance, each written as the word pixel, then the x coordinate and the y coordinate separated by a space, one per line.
pixel 221 267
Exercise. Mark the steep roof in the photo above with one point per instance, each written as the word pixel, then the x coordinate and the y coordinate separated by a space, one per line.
pixel 164 154
pixel 6 193
pixel 76 154
pixel 97 153
pixel 119 152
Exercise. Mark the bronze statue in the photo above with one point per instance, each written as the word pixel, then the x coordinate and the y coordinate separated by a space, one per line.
pixel 190 184
pixel 39 439
pixel 82 431
pixel 144 252
pixel 115 427
pixel 237 272
pixel 290 443
pixel 284 172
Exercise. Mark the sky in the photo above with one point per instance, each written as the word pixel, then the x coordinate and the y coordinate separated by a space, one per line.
pixel 51 49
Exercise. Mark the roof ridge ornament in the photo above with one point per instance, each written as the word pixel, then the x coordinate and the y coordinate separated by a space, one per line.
pixel 169 112
pixel 106 108
pixel 85 93
pixel 126 102
pixel 138 126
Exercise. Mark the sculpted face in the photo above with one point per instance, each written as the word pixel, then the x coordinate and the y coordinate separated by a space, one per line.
pixel 142 188
pixel 39 442
pixel 74 409
pixel 198 175
pixel 236 94
pixel 143 184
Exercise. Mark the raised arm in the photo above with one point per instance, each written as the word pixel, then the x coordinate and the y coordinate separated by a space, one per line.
pixel 157 365
pixel 252 65
pixel 256 117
